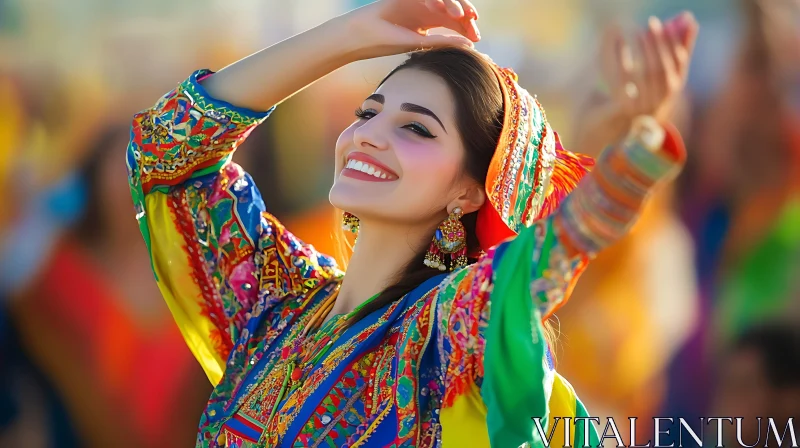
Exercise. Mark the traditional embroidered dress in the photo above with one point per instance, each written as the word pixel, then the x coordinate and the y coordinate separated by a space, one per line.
pixel 460 361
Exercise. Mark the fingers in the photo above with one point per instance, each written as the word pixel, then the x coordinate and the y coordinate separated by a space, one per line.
pixel 618 69
pixel 668 78
pixel 688 27
pixel 440 40
pixel 471 15
pixel 620 64
pixel 466 14
pixel 469 9
pixel 663 45
pixel 679 53
pixel 646 75
pixel 681 32
pixel 457 15
pixel 454 9
pixel 466 28
pixel 690 31
pixel 436 5
pixel 665 63
pixel 472 31
pixel 648 83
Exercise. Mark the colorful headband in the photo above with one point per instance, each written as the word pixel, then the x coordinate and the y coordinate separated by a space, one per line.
pixel 530 172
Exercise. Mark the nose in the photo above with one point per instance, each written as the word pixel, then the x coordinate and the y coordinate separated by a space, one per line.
pixel 371 134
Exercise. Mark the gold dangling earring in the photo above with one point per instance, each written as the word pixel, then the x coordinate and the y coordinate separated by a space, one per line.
pixel 350 222
pixel 450 239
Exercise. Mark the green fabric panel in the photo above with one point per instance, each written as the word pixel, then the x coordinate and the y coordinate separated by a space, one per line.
pixel 515 368
pixel 594 437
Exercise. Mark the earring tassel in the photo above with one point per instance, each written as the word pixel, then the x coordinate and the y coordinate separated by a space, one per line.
pixel 433 258
pixel 459 259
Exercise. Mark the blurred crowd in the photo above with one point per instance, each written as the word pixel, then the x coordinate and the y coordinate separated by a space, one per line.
pixel 695 313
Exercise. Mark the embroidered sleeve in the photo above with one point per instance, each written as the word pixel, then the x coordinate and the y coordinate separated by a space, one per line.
pixel 219 258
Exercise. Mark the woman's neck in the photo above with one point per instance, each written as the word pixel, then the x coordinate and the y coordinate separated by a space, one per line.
pixel 380 254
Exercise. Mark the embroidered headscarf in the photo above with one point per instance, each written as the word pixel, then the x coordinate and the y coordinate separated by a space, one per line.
pixel 530 172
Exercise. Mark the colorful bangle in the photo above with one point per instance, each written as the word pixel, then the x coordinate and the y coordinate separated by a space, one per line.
pixel 608 201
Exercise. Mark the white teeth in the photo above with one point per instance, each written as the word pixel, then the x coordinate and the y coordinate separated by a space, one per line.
pixel 365 168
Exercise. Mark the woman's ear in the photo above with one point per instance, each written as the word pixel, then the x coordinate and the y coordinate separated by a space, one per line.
pixel 470 199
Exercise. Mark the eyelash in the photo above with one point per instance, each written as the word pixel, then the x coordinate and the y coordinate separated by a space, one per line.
pixel 413 126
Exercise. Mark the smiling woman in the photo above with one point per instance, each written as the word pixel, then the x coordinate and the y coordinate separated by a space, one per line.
pixel 461 86
pixel 448 166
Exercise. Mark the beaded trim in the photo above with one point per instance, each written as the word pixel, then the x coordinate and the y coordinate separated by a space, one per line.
pixel 524 162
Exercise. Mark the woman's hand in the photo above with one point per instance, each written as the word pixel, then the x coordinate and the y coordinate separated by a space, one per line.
pixel 645 82
pixel 383 28
pixel 389 27
pixel 648 84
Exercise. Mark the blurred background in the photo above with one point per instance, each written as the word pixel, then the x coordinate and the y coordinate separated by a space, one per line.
pixel 694 314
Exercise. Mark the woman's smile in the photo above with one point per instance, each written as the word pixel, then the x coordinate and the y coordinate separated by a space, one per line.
pixel 362 166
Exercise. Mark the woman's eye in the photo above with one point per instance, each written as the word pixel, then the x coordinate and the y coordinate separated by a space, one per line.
pixel 365 114
pixel 419 129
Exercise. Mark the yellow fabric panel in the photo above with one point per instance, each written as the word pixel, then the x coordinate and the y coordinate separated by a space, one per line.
pixel 562 404
pixel 464 423
pixel 177 285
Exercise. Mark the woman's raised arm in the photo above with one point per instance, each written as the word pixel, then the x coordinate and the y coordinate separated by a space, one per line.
pixel 383 28
pixel 216 252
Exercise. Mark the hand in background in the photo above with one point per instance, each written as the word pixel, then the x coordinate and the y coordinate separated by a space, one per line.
pixel 647 81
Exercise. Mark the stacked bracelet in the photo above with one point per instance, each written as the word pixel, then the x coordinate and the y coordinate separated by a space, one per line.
pixel 608 201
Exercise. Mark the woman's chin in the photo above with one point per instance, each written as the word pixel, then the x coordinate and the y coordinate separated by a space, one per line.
pixel 351 199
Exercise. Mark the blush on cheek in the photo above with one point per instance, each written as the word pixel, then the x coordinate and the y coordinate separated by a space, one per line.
pixel 427 164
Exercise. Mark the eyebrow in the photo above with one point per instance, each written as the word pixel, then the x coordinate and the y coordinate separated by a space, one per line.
pixel 377 97
pixel 409 107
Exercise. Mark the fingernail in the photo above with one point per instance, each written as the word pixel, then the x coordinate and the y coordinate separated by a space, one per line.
pixel 684 19
pixel 671 27
pixel 682 24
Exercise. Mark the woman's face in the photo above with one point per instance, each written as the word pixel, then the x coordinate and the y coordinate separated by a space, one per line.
pixel 401 159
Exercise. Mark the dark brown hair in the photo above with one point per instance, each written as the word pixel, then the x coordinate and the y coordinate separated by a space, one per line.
pixel 479 120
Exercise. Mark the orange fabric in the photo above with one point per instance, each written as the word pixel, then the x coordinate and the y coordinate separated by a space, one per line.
pixel 124 383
